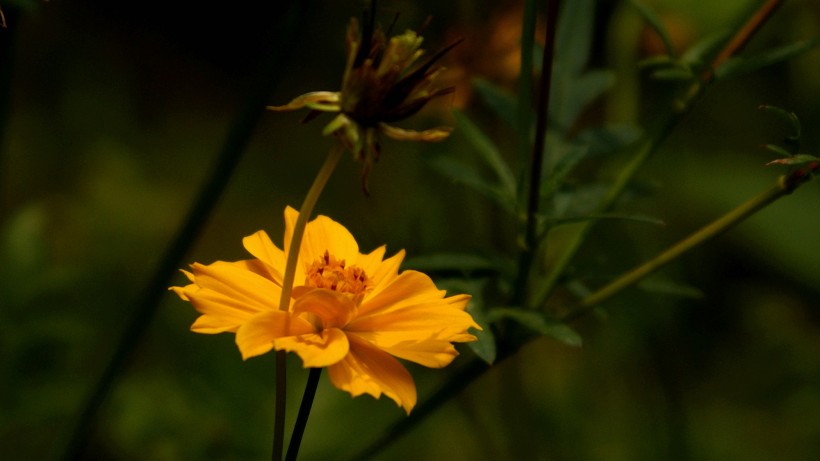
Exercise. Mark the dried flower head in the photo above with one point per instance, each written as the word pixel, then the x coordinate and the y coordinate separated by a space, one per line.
pixel 382 84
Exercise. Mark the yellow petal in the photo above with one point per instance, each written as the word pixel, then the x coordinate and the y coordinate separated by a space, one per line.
pixel 227 294
pixel 367 370
pixel 259 334
pixel 431 352
pixel 334 309
pixel 384 273
pixel 235 281
pixel 421 333
pixel 317 350
pixel 410 287
pixel 370 262
pixel 220 313
pixel 324 234
pixel 262 248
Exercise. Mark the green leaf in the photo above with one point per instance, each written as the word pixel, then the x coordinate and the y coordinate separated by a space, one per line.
pixel 598 217
pixel 462 262
pixel 790 117
pixel 738 66
pixel 563 167
pixel 698 54
pixel 573 42
pixel 672 73
pixel 778 150
pixel 539 323
pixel 500 101
pixel 669 287
pixel 466 174
pixel 657 61
pixel 656 24
pixel 487 150
pixel 485 347
pixel 609 138
pixel 581 91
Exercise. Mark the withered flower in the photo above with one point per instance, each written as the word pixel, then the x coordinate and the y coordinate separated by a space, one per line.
pixel 382 84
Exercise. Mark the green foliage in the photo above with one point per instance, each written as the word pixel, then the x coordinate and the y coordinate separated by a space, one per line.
pixel 739 66
pixel 537 322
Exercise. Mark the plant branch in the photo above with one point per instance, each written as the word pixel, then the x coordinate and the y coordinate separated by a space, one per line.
pixel 537 156
pixel 784 186
pixel 648 148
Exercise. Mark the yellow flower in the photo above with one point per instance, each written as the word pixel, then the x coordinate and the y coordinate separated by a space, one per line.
pixel 380 86
pixel 351 312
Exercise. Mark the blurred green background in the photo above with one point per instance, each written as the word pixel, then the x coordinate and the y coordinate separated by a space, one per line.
pixel 117 111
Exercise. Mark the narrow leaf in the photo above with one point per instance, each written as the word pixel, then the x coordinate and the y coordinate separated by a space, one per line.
pixel 656 24
pixel 461 262
pixel 485 347
pixel 787 115
pixel 598 217
pixel 738 66
pixel 778 150
pixel 466 174
pixel 499 100
pixel 573 42
pixel 582 91
pixel 539 323
pixel 487 150
pixel 669 287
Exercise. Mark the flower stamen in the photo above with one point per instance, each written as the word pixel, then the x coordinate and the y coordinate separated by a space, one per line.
pixel 332 274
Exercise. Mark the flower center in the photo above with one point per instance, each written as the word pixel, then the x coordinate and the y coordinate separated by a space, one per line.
pixel 330 273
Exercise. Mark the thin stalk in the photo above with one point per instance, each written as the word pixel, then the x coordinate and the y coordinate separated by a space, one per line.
pixel 293 246
pixel 525 85
pixel 231 152
pixel 304 413
pixel 538 152
pixel 696 239
pixel 650 146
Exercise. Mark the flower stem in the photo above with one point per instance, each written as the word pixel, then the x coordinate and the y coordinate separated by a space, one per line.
pixel 537 157
pixel 711 230
pixel 304 413
pixel 292 249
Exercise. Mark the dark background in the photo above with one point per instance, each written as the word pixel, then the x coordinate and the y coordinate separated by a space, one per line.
pixel 117 111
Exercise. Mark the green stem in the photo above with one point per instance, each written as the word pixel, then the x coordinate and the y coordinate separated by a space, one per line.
pixel 304 413
pixel 706 233
pixel 524 109
pixel 537 156
pixel 644 152
pixel 738 40
pixel 287 286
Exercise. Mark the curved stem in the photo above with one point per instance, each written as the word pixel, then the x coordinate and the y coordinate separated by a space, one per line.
pixel 706 233
pixel 304 413
pixel 292 249
pixel 741 36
